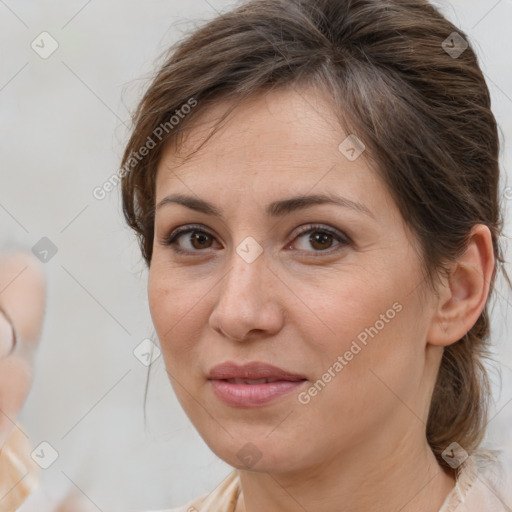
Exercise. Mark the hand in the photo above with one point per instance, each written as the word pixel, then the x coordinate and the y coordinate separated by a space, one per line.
pixel 22 297
pixel 22 301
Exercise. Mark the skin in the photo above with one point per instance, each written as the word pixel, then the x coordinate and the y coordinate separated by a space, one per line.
pixel 22 296
pixel 360 443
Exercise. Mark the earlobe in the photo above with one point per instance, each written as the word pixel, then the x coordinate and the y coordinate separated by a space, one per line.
pixel 462 296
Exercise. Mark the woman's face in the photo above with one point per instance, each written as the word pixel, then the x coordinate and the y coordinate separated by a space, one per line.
pixel 330 292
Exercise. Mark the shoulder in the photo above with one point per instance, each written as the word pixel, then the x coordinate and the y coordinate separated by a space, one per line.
pixel 484 482
pixel 221 499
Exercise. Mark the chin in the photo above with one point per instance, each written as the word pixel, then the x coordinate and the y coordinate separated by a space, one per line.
pixel 254 450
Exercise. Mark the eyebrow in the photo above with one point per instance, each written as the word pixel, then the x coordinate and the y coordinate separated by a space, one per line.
pixel 275 209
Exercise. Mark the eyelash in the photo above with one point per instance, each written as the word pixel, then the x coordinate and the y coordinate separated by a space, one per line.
pixel 343 239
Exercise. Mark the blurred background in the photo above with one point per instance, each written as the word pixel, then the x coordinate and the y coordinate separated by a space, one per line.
pixel 71 72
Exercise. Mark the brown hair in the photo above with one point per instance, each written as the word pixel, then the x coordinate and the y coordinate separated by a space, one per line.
pixel 422 112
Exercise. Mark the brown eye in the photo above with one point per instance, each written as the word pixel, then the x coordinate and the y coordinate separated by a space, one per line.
pixel 199 240
pixel 321 239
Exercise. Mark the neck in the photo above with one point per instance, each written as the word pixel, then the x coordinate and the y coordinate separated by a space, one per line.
pixel 404 477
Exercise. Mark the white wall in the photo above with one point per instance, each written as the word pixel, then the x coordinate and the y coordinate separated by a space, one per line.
pixel 62 129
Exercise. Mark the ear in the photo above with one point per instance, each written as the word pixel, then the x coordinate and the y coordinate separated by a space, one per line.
pixel 462 296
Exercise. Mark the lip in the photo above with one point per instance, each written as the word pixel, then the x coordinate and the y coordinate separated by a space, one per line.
pixel 227 383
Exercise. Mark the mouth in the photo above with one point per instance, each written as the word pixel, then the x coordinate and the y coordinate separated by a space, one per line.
pixel 251 381
pixel 252 385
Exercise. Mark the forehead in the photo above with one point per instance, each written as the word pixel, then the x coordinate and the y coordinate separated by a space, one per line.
pixel 286 134
pixel 276 146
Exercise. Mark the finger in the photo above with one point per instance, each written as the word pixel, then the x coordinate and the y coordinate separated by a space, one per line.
pixel 7 335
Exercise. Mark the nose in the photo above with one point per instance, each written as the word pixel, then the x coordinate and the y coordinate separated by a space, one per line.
pixel 248 304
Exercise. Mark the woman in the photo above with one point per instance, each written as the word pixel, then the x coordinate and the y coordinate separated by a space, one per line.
pixel 314 186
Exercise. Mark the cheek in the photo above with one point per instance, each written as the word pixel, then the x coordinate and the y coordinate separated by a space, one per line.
pixel 353 307
pixel 374 320
pixel 380 336
pixel 175 305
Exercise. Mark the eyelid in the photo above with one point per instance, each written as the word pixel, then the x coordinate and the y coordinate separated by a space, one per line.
pixel 175 233
pixel 325 229
pixel 341 237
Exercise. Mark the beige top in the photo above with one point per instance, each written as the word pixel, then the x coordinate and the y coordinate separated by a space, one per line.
pixel 484 484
